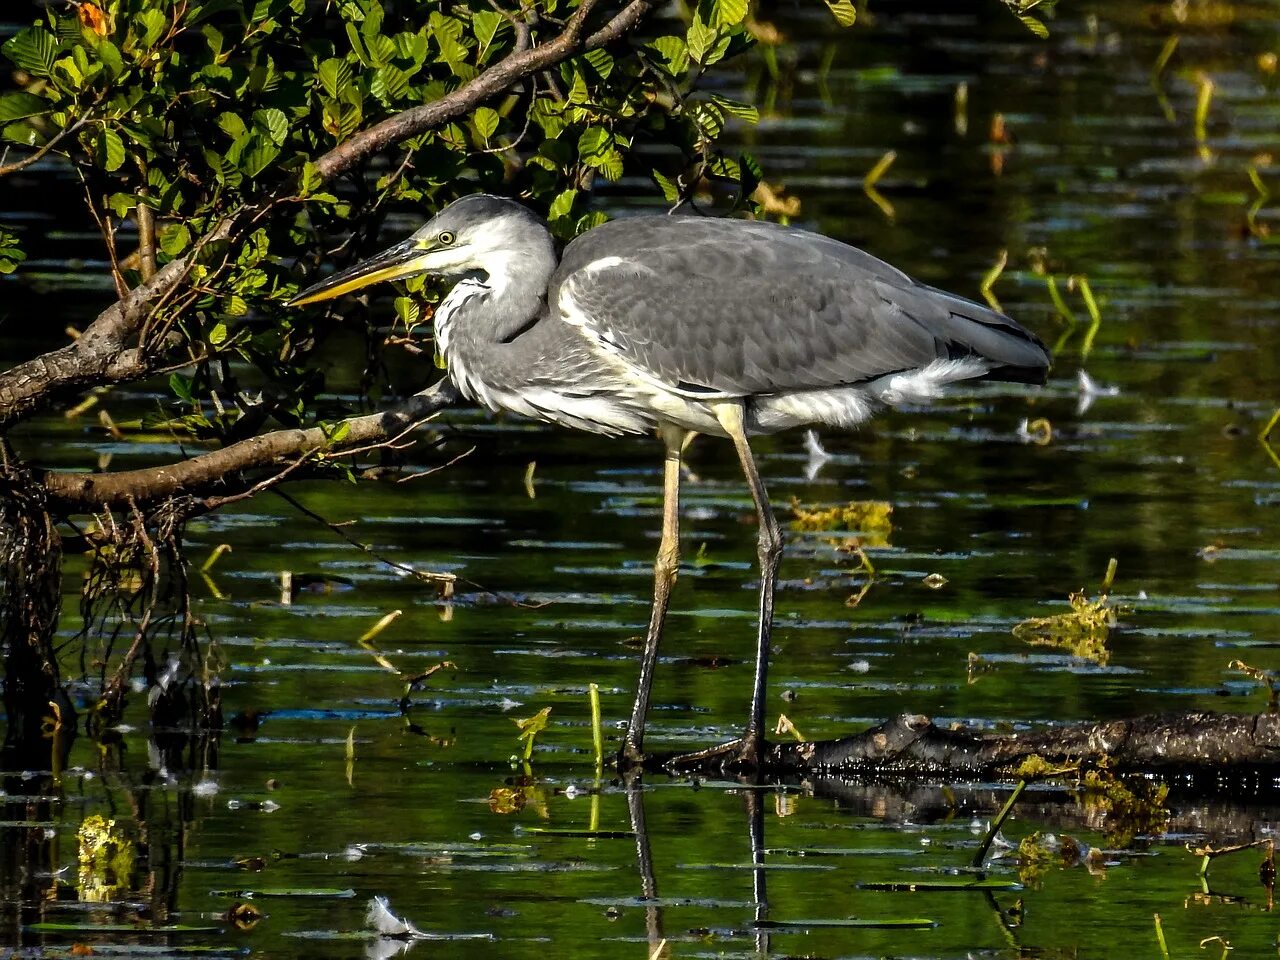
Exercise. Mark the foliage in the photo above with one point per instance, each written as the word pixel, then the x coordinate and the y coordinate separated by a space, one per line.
pixel 180 114
pixel 106 857
pixel 1083 630
pixel 871 518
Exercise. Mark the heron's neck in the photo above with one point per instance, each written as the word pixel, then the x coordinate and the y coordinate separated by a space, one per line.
pixel 517 282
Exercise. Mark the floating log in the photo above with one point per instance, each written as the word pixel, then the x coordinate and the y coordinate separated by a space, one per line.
pixel 912 745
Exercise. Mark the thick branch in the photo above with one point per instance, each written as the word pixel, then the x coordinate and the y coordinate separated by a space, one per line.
pixel 101 354
pixel 216 471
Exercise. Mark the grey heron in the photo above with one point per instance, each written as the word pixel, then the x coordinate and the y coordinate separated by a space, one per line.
pixel 685 325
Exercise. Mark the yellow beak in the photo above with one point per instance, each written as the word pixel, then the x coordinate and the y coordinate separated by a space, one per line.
pixel 403 259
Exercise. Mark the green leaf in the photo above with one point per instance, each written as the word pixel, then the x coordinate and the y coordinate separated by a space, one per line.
pixel 381 49
pixel 232 125
pixel 485 24
pixel 724 168
pixel 486 121
pixel 150 27
pixel 341 119
pixel 256 152
pixel 562 205
pixel 594 141
pixel 309 182
pixel 843 10
pixel 20 105
pixel 736 108
pixel 707 117
pixel 109 150
pixel 667 186
pixel 389 83
pixel 21 133
pixel 447 33
pixel 33 50
pixel 110 56
pixel 121 203
pixel 273 123
pixel 413 47
pixel 357 47
pixel 578 91
pixel 175 239
pixel 11 253
pixel 181 387
pixel 609 163
pixel 334 76
pixel 601 62
pixel 729 13
pixel 672 53
pixel 408 311
pixel 1035 26
pixel 218 333
pixel 706 44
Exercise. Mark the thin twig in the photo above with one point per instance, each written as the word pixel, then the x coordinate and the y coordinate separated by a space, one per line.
pixel 436 469
pixel 427 575
pixel 52 142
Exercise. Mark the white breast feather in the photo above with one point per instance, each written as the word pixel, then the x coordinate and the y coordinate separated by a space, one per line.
pixel 443 321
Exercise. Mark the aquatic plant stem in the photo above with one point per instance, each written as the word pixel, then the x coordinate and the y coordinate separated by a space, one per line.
pixel 597 729
pixel 997 823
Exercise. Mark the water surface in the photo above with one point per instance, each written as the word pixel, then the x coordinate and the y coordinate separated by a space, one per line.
pixel 1102 173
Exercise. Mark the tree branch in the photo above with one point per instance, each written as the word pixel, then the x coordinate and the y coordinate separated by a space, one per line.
pixel 216 471
pixel 496 79
pixel 101 354
pixel 8 168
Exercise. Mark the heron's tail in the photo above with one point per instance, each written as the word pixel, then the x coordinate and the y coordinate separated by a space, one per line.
pixel 969 329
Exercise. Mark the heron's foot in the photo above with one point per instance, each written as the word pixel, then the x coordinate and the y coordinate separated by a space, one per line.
pixel 737 756
pixel 629 756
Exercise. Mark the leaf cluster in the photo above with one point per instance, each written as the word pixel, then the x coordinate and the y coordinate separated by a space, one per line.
pixel 174 115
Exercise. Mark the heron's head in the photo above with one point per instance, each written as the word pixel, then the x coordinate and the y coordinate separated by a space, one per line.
pixel 479 233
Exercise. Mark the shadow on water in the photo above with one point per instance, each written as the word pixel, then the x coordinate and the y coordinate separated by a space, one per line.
pixel 321 793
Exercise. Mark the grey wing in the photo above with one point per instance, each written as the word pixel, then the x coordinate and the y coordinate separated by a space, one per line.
pixel 730 308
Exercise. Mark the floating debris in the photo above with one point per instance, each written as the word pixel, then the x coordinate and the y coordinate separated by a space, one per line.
pixel 1083 631
pixel 818 456
pixel 1089 390
pixel 1038 431
pixel 873 519
pixel 107 856
pixel 380 918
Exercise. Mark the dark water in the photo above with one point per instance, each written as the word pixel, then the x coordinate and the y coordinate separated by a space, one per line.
pixel 1164 472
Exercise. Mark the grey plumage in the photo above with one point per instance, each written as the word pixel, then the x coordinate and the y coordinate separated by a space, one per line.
pixel 690 324
pixel 739 308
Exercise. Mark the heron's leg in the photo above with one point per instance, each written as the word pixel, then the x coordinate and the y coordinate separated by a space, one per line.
pixel 644 856
pixel 730 416
pixel 664 575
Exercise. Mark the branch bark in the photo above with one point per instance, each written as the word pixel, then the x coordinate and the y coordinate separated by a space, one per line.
pixel 216 472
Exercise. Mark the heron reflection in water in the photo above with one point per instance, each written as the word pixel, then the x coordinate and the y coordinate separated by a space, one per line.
pixel 685 325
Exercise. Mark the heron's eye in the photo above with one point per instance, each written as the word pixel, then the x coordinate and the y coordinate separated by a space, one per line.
pixel 447 237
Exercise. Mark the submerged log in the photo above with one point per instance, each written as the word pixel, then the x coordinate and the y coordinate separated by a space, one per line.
pixel 912 745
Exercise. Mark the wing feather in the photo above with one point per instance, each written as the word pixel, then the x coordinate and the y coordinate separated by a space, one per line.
pixel 712 307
